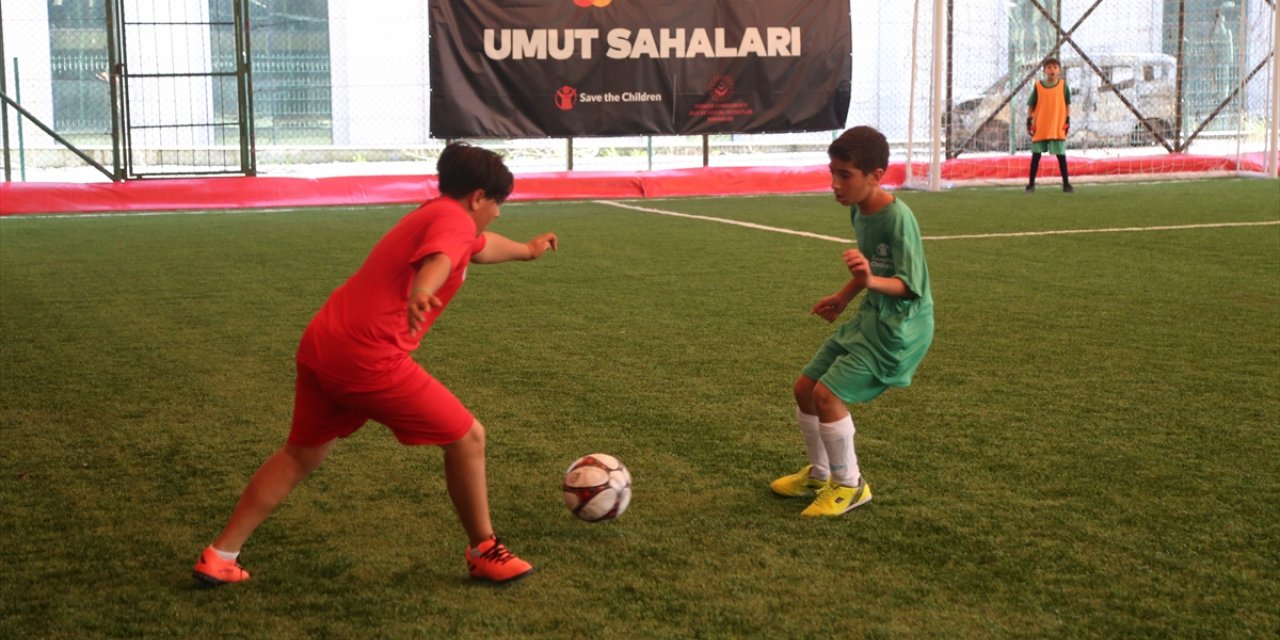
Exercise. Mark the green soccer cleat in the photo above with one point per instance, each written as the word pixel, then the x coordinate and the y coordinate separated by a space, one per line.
pixel 838 499
pixel 797 484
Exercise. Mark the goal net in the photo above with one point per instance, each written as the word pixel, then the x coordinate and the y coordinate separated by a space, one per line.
pixel 1158 87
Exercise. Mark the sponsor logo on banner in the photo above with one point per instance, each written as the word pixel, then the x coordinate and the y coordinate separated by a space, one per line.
pixel 720 88
pixel 719 109
pixel 588 3
pixel 565 97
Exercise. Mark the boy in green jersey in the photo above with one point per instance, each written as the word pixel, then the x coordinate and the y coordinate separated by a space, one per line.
pixel 884 342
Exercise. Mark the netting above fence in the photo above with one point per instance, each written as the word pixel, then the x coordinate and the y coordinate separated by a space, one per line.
pixel 340 86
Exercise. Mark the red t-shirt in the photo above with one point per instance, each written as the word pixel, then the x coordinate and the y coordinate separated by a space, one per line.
pixel 361 334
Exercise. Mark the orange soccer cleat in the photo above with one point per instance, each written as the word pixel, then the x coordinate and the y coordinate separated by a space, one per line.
pixel 212 569
pixel 491 561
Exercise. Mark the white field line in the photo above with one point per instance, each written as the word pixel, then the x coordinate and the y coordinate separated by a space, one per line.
pixel 739 223
pixel 1064 232
pixel 1012 234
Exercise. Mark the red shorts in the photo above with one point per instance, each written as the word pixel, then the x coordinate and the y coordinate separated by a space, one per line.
pixel 417 408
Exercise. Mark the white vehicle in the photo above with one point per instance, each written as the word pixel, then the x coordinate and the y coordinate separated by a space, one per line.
pixel 1098 115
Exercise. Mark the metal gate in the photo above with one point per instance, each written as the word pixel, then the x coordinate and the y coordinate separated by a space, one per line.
pixel 181 87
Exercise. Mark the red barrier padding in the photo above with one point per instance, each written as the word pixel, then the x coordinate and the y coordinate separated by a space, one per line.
pixel 579 185
pixel 268 192
pixel 210 193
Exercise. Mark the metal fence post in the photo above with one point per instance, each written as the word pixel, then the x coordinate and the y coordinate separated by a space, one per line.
pixel 22 148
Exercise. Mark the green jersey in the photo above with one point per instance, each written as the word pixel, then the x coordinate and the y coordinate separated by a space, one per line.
pixel 895 331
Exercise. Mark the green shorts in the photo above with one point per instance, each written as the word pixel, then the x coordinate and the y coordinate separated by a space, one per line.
pixel 1056 147
pixel 849 373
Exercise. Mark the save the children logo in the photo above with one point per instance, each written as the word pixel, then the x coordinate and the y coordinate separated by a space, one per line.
pixel 588 3
pixel 882 262
pixel 566 96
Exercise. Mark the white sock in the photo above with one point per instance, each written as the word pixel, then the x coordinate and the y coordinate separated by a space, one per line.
pixel 813 447
pixel 837 437
pixel 226 555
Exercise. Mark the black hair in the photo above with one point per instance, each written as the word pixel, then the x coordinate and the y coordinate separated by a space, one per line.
pixel 863 147
pixel 1052 61
pixel 463 168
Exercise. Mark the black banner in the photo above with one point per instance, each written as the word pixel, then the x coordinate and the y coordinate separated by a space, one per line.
pixel 560 68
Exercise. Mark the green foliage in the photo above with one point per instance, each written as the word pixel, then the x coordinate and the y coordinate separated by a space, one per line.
pixel 1089 449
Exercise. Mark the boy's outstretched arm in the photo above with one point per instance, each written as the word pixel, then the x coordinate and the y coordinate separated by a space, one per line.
pixel 499 248
pixel 432 273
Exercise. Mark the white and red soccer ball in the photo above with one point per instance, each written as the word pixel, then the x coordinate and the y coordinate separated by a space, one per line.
pixel 597 487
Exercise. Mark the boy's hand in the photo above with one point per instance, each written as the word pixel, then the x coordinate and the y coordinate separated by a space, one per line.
pixel 1031 128
pixel 421 303
pixel 830 307
pixel 1066 126
pixel 859 267
pixel 540 244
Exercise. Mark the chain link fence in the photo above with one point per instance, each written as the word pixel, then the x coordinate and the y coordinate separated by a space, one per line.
pixel 339 87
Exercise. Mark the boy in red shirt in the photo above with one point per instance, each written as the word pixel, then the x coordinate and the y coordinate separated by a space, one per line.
pixel 354 363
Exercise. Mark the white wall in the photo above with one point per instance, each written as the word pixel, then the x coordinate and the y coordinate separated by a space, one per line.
pixel 26 38
pixel 380 72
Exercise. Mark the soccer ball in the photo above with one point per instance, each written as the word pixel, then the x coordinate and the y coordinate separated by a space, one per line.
pixel 597 487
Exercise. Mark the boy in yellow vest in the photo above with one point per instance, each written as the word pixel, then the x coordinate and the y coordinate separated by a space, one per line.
pixel 1048 121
